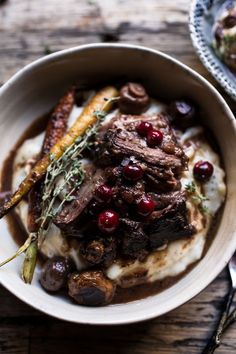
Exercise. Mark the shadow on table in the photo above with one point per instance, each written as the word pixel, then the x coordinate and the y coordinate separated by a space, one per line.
pixel 60 337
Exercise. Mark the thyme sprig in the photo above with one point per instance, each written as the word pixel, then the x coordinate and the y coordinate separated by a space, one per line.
pixel 197 197
pixel 69 166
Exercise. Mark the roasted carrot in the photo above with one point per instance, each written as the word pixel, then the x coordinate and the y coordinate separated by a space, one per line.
pixel 56 129
pixel 34 206
pixel 83 122
pixel 57 124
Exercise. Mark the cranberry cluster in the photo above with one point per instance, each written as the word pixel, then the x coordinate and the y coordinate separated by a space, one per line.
pixel 108 220
pixel 133 173
pixel 154 137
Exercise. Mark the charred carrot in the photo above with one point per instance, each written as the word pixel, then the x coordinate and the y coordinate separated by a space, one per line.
pixel 83 122
pixel 57 124
pixel 56 129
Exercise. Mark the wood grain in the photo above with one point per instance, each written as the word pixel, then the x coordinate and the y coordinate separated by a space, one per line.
pixel 28 30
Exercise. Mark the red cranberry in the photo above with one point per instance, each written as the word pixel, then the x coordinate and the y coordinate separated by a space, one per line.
pixel 104 193
pixel 143 128
pixel 203 171
pixel 108 221
pixel 132 172
pixel 146 206
pixel 154 138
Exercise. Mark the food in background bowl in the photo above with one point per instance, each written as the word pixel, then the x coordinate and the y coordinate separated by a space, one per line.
pixel 122 191
pixel 225 37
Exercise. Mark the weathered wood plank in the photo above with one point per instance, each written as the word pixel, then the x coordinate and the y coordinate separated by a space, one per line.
pixel 24 37
pixel 13 339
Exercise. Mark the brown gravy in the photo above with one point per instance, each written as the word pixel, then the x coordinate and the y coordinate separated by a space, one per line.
pixel 19 234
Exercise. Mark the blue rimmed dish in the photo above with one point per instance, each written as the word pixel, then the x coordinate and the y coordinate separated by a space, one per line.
pixel 203 15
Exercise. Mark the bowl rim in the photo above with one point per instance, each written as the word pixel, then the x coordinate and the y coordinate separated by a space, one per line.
pixel 187 296
pixel 207 57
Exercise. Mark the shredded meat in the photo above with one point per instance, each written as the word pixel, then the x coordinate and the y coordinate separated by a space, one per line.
pixel 134 239
pixel 122 140
pixel 117 145
pixel 83 196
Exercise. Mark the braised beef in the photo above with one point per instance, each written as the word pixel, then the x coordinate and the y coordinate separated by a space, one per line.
pixel 112 173
pixel 123 141
pixel 81 228
pixel 165 200
pixel 160 185
pixel 134 239
pixel 119 145
pixel 131 193
pixel 83 196
pixel 170 223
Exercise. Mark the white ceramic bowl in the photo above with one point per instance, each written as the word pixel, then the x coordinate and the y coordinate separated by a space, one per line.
pixel 35 89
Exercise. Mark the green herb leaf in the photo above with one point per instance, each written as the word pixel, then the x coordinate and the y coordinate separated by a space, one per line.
pixel 197 197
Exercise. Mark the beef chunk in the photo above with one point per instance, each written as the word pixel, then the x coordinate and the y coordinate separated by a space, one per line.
pixel 122 140
pixel 162 186
pixel 131 193
pixel 165 200
pixel 81 228
pixel 162 166
pixel 84 195
pixel 171 223
pixel 135 240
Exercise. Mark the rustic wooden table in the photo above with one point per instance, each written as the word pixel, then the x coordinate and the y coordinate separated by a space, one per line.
pixel 30 29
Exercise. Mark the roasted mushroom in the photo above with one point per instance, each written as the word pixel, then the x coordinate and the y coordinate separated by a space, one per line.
pixel 91 288
pixel 55 273
pixel 99 251
pixel 133 99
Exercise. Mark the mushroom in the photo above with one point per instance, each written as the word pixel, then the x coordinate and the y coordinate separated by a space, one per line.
pixel 133 99
pixel 91 288
pixel 99 251
pixel 55 273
